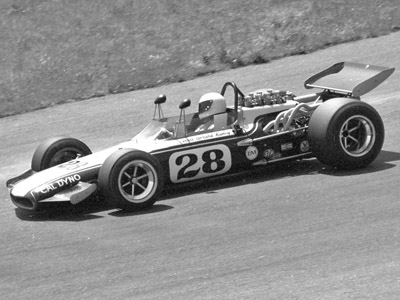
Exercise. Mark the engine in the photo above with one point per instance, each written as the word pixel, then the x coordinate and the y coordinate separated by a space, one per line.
pixel 265 97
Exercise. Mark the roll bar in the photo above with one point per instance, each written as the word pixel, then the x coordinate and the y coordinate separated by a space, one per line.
pixel 236 91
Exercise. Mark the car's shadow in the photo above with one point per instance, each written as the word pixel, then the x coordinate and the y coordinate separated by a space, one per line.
pixel 87 210
pixel 90 208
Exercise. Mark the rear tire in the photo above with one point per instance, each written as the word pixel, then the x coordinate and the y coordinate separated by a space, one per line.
pixel 346 133
pixel 57 150
pixel 131 179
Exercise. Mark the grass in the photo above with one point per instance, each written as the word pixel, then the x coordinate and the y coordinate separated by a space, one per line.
pixel 57 51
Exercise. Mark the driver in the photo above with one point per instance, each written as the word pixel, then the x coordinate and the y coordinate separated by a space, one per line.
pixel 210 104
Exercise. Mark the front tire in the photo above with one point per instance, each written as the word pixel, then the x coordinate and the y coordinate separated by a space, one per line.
pixel 346 133
pixel 57 150
pixel 131 179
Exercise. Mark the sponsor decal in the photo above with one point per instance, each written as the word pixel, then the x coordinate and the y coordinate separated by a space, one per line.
pixel 269 153
pixel 251 153
pixel 72 164
pixel 199 163
pixel 287 146
pixel 56 185
pixel 207 136
pixel 304 146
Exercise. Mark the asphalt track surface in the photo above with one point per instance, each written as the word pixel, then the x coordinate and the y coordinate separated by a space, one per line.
pixel 300 230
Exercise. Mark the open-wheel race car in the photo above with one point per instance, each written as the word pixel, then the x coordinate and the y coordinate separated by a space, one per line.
pixel 260 128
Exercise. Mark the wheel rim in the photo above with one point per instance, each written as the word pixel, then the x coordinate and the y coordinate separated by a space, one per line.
pixel 357 135
pixel 63 156
pixel 137 181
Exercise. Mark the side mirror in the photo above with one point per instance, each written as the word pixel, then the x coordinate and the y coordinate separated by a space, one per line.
pixel 159 100
pixel 184 104
pixel 182 118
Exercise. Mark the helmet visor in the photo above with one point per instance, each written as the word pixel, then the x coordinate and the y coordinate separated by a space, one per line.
pixel 205 106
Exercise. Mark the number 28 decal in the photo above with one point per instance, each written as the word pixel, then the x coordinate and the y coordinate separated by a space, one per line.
pixel 199 163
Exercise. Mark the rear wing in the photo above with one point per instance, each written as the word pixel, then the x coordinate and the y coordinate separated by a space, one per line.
pixel 351 78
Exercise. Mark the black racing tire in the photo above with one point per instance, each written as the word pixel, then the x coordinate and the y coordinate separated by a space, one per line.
pixel 57 150
pixel 346 133
pixel 131 179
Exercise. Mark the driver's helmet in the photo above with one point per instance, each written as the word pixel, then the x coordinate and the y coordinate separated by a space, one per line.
pixel 211 104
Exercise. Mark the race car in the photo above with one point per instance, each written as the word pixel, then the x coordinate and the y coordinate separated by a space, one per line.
pixel 260 128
